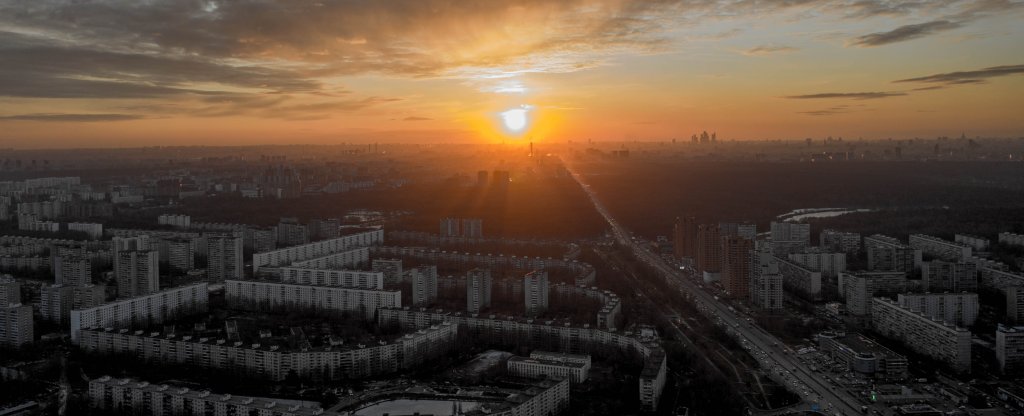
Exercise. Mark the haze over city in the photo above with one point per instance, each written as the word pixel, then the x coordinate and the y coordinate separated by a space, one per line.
pixel 126 73
pixel 512 208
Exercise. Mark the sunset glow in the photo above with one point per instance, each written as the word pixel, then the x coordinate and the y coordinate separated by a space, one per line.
pixel 216 72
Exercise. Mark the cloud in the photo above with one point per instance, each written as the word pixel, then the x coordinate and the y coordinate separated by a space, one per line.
pixel 979 76
pixel 414 118
pixel 64 117
pixel 849 95
pixel 831 111
pixel 768 50
pixel 904 33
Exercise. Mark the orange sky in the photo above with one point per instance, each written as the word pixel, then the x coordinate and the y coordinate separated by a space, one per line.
pixel 128 73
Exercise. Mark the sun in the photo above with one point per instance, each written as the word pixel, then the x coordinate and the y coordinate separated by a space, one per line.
pixel 515 120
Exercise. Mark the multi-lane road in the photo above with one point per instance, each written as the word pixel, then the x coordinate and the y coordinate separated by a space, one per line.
pixel 765 347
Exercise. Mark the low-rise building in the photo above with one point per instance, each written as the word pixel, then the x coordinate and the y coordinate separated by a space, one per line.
pixel 553 365
pixel 863 355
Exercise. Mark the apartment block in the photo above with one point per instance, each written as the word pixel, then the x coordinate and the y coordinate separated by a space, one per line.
pixel 859 288
pixel 839 241
pixel 535 292
pixel 934 338
pixel 944 276
pixel 148 309
pixel 941 249
pixel 478 290
pixel 1010 349
pixel 16 325
pixel 264 295
pixel 960 309
pixel 889 254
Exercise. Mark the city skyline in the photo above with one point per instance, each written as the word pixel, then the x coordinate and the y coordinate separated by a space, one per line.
pixel 127 74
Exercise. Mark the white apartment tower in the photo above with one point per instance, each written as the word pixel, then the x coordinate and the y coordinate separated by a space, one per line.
pixel 535 292
pixel 478 290
pixel 424 285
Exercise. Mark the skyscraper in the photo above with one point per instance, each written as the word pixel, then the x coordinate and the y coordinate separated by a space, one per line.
pixel 137 272
pixel 535 292
pixel 478 290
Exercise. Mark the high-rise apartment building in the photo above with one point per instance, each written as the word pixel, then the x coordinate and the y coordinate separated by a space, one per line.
pixel 859 288
pixel 709 249
pixel 16 328
pixel 889 254
pixel 684 237
pixel 765 280
pixel 10 290
pixel 839 241
pixel 224 257
pixel 535 292
pixel 462 227
pixel 424 285
pixel 736 256
pixel 392 269
pixel 72 271
pixel 944 276
pixel 137 272
pixel 789 237
pixel 478 290
pixel 1010 349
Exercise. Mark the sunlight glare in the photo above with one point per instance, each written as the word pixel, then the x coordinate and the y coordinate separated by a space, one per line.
pixel 515 119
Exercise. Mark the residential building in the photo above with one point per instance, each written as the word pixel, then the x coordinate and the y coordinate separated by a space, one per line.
pixel 288 255
pixel 535 292
pixel 944 276
pixel 224 257
pixel 147 309
pixel 478 290
pixel 16 326
pixel 736 256
pixel 137 272
pixel 177 221
pixel 789 237
pixel 72 271
pixel 889 254
pixel 941 249
pixel 180 253
pixel 709 249
pixel 267 296
pixel 829 264
pixel 1015 304
pixel 684 237
pixel 839 242
pixel 858 288
pixel 800 280
pixel 341 278
pixel 947 343
pixel 10 290
pixel 129 396
pixel 424 285
pixel 291 233
pixel 462 227
pixel 1011 239
pixel 274 361
pixel 391 268
pixel 960 309
pixel 93 230
pixel 1010 349
pixel 766 282
pixel 976 243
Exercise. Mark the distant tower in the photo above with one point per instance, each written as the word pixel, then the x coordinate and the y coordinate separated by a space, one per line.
pixel 531 147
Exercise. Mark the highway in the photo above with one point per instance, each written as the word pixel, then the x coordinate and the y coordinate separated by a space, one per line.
pixel 794 373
